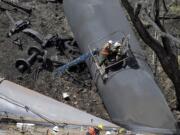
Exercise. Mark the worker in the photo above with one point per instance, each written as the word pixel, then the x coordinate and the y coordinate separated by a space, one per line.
pixel 118 48
pixel 105 52
pixel 95 130
pixel 121 131
pixel 54 131
pixel 116 45
pixel 100 127
pixel 91 131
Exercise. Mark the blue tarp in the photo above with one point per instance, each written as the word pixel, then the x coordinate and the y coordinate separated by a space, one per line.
pixel 60 71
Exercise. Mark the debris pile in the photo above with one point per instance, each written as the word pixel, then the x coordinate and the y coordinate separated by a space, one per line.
pixel 33 47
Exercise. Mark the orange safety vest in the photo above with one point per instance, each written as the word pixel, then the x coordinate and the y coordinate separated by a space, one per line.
pixel 105 51
pixel 91 131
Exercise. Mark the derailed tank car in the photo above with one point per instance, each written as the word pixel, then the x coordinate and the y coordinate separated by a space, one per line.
pixel 131 96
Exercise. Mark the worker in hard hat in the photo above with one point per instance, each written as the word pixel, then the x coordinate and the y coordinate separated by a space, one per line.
pixel 121 131
pixel 100 127
pixel 95 130
pixel 91 131
pixel 116 45
pixel 118 49
pixel 105 52
pixel 54 131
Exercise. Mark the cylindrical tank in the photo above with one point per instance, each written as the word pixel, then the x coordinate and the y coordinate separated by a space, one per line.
pixel 131 96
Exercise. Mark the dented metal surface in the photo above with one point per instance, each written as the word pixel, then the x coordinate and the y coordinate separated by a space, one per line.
pixel 18 102
pixel 131 96
pixel 34 34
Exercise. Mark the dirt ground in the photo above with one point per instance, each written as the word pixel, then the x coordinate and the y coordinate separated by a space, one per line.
pixel 46 18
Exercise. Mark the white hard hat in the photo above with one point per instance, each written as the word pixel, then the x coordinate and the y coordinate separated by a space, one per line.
pixel 56 129
pixel 108 133
pixel 117 44
pixel 65 95
pixel 110 42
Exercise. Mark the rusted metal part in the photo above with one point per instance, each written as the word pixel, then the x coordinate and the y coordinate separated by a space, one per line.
pixel 49 40
pixel 19 26
pixel 52 41
pixel 131 96
pixel 48 108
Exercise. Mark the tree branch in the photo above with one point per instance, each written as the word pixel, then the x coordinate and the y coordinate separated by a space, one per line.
pixel 168 60
pixel 144 34
pixel 165 7
pixel 163 34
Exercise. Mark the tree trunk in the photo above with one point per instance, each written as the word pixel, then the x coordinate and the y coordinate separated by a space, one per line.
pixel 167 58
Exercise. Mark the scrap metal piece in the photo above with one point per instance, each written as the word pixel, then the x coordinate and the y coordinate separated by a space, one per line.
pixel 45 107
pixel 22 65
pixel 61 43
pixel 51 40
pixel 131 96
pixel 34 34
pixel 17 26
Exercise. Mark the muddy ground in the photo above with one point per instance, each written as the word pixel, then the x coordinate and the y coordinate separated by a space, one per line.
pixel 46 18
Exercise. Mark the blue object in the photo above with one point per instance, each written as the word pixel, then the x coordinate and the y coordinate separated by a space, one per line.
pixel 60 71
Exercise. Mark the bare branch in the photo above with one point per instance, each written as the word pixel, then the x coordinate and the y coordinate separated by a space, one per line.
pixel 165 7
pixel 144 34
pixel 160 32
pixel 168 61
